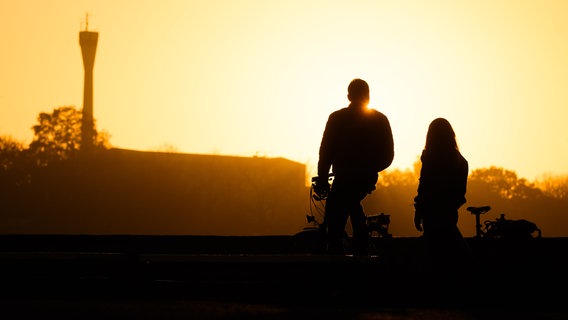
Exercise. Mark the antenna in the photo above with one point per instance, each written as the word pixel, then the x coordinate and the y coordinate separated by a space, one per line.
pixel 86 21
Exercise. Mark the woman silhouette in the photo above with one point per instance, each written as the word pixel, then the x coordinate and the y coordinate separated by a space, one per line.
pixel 441 192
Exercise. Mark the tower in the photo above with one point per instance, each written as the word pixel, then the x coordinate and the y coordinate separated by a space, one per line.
pixel 88 41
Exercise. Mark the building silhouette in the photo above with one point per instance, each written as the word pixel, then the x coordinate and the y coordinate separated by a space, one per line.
pixel 129 192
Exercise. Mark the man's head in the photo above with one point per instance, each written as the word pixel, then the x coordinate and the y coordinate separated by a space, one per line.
pixel 358 91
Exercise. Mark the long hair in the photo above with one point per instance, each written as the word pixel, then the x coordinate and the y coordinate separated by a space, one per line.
pixel 441 137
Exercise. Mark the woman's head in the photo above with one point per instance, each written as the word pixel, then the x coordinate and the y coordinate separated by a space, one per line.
pixel 441 136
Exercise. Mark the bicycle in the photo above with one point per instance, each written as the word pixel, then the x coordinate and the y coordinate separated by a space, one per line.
pixel 377 224
pixel 502 228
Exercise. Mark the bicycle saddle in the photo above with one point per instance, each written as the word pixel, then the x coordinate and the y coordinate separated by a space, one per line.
pixel 478 210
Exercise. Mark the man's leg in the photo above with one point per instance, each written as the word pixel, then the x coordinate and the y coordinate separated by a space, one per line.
pixel 336 218
pixel 359 224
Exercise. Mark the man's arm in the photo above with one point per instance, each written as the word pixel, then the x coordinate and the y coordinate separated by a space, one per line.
pixel 387 141
pixel 326 151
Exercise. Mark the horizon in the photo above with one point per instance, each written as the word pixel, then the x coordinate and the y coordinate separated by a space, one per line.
pixel 139 192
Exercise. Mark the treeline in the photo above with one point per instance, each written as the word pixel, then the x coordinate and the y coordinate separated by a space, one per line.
pixel 544 202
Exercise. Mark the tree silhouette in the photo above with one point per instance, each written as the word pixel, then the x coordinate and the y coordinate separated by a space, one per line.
pixel 57 136
pixel 504 183
pixel 15 177
pixel 554 186
pixel 10 152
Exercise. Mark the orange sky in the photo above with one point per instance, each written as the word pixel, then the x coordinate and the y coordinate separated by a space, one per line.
pixel 259 77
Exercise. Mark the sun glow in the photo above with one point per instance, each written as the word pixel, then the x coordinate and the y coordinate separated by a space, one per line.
pixel 258 78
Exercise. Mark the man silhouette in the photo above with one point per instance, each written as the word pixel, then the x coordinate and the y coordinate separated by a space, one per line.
pixel 357 144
